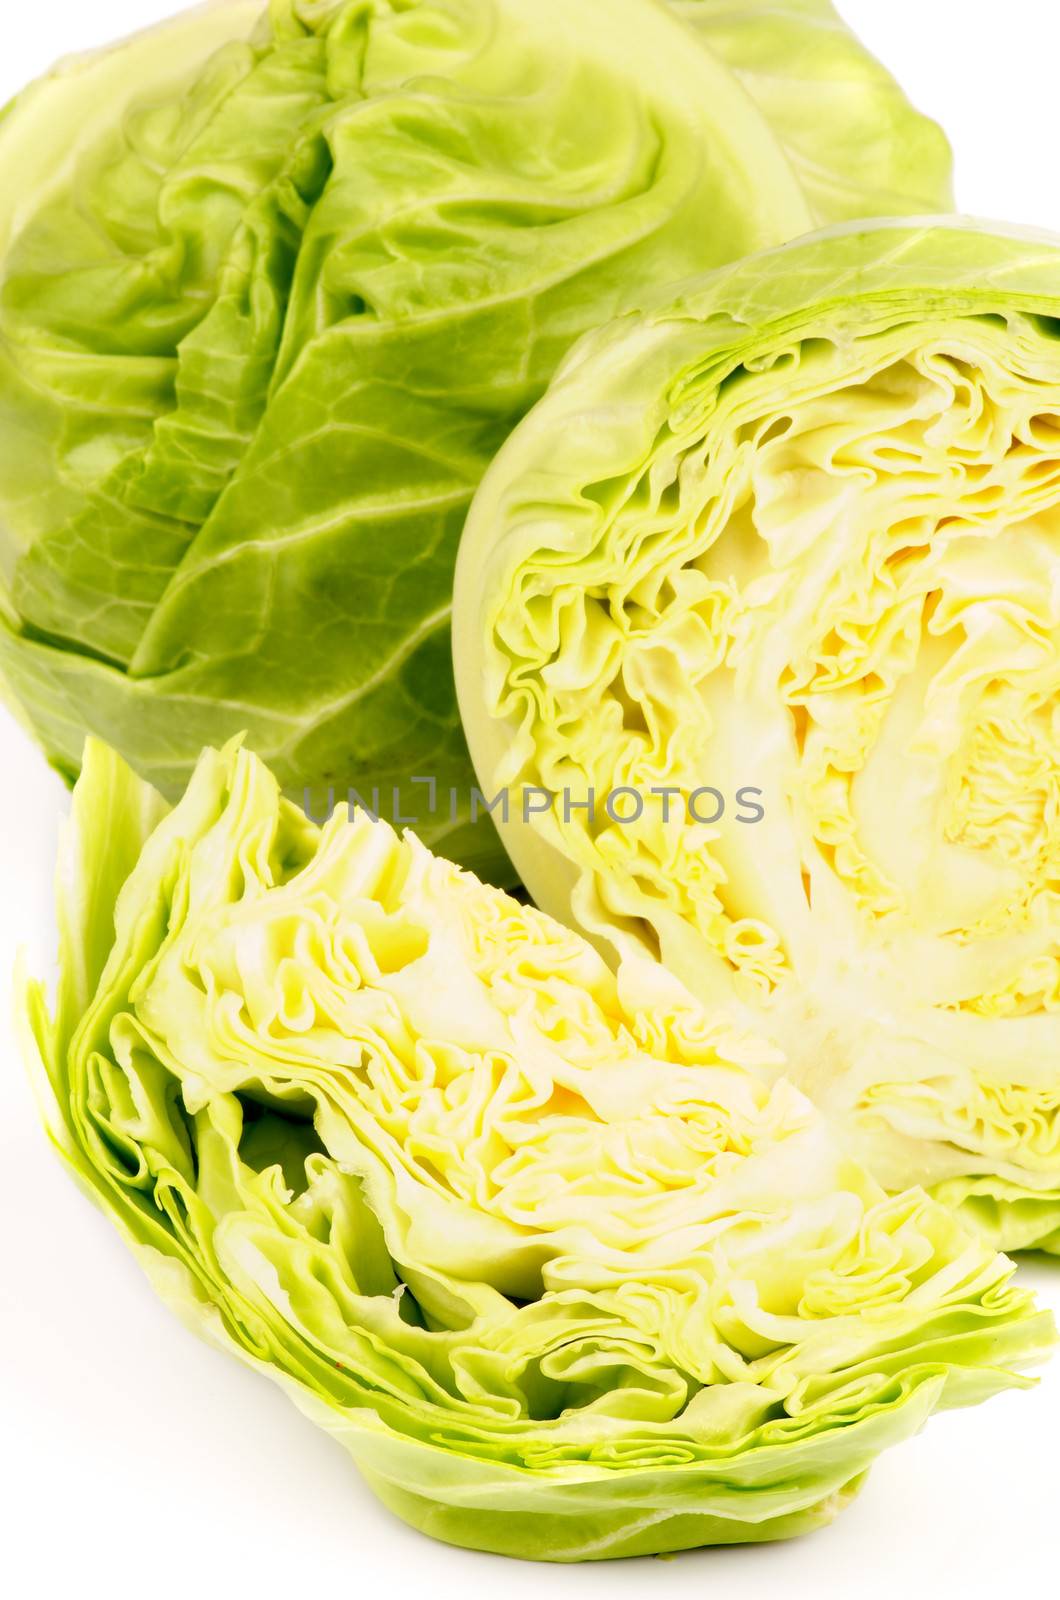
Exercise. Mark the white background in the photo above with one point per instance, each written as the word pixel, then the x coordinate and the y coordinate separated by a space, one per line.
pixel 134 1460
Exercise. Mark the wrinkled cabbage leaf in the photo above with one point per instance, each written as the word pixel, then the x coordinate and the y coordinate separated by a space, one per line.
pixel 842 120
pixel 274 288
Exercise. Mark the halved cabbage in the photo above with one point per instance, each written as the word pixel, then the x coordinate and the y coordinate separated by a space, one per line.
pixel 276 281
pixel 797 533
pixel 531 1240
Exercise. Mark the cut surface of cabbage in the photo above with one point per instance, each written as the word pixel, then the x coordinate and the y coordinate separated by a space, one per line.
pixel 534 1241
pixel 794 539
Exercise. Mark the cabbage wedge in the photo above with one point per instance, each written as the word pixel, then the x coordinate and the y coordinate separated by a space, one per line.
pixel 275 283
pixel 789 546
pixel 532 1240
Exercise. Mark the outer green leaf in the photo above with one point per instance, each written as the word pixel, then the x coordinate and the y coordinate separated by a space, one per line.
pixel 271 295
pixel 812 77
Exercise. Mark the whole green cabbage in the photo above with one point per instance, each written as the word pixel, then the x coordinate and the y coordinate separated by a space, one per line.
pixel 793 539
pixel 532 1241
pixel 273 289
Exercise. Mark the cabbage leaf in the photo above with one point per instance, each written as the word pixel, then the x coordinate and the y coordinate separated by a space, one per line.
pixel 274 288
